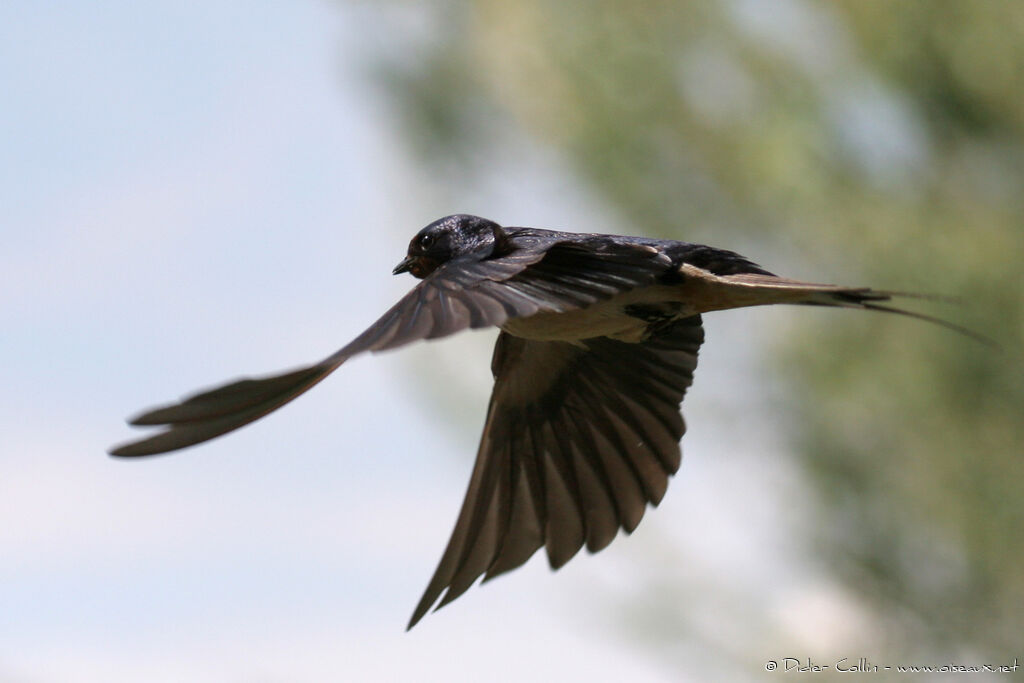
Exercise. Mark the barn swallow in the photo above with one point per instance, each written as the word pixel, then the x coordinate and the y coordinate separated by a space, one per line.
pixel 598 344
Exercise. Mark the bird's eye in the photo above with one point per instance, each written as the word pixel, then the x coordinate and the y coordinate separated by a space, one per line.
pixel 426 241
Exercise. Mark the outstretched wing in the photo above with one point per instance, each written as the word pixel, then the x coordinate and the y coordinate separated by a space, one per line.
pixel 579 439
pixel 541 276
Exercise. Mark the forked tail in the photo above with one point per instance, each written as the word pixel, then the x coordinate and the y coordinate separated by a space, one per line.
pixel 772 289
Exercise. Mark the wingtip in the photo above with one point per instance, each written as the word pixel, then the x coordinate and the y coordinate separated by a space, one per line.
pixel 427 606
pixel 132 449
pixel 122 451
pixel 155 444
pixel 415 619
pixel 152 417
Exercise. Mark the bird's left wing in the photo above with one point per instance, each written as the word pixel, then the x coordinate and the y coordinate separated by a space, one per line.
pixel 537 275
pixel 579 438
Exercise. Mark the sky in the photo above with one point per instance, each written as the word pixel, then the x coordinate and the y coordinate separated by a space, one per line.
pixel 191 192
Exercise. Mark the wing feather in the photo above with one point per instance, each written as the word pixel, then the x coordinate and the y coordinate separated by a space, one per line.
pixel 563 527
pixel 599 507
pixel 463 293
pixel 584 437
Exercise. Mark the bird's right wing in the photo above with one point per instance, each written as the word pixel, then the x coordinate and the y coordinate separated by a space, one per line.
pixel 539 276
pixel 579 438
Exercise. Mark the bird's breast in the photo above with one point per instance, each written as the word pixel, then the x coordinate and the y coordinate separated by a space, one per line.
pixel 628 317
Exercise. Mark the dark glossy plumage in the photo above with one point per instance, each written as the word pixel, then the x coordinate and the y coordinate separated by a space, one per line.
pixel 598 345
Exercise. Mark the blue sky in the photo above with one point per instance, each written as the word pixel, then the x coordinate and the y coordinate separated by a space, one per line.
pixel 191 192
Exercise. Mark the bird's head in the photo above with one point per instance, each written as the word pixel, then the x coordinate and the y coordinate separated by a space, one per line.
pixel 449 238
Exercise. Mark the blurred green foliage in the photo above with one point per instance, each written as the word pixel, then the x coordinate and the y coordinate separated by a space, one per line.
pixel 876 142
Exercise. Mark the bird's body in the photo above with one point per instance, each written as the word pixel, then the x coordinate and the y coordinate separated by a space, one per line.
pixel 598 344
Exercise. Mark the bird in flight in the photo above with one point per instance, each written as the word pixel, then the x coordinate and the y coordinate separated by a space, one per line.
pixel 598 344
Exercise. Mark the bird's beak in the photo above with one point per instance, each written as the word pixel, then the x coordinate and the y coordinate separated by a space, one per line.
pixel 404 266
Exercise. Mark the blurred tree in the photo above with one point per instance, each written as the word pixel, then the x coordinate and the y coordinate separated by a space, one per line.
pixel 887 135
